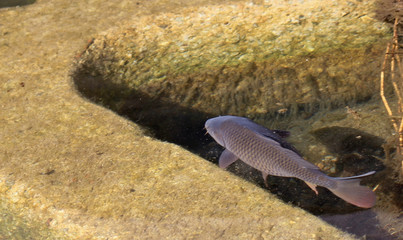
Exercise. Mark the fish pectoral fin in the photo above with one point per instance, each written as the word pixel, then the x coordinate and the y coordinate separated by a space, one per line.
pixel 226 159
pixel 312 186
pixel 265 179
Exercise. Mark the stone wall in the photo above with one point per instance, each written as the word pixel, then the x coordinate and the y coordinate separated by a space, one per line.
pixel 244 59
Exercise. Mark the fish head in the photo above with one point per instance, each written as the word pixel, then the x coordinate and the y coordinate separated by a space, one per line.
pixel 214 128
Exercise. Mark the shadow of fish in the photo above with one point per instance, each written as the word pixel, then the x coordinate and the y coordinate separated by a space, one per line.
pixel 266 151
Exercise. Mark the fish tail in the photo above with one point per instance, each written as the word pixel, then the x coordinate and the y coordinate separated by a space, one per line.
pixel 350 190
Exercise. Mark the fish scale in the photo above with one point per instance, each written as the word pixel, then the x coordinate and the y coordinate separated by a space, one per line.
pixel 266 151
pixel 269 159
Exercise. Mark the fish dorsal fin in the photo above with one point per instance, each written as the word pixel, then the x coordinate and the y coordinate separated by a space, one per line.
pixel 296 157
pixel 251 125
pixel 276 135
pixel 226 159
pixel 282 133
pixel 269 134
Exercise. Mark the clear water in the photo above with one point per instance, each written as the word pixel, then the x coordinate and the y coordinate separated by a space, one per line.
pixel 354 152
pixel 342 142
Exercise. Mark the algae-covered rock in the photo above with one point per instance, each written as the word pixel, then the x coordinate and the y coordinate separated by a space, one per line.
pixel 243 59
pixel 70 168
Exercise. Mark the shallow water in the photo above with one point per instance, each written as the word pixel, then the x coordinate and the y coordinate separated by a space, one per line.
pixel 165 121
pixel 354 156
pixel 344 145
pixel 353 150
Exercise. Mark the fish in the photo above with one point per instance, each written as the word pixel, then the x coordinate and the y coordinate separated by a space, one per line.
pixel 267 151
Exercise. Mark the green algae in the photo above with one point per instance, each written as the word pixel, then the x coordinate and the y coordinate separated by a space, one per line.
pixel 13 225
pixel 278 60
pixel 331 79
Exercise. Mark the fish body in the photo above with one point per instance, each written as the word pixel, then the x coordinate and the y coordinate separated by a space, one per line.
pixel 266 151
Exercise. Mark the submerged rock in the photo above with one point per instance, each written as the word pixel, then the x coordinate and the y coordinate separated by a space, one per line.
pixel 243 59
pixel 72 169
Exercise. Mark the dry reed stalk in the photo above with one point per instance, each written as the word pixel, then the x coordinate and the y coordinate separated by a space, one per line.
pixel 397 83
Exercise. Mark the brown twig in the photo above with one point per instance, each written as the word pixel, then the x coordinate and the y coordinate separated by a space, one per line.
pixel 382 88
pixel 392 52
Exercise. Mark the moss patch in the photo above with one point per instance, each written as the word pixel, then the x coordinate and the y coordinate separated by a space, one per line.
pixel 241 59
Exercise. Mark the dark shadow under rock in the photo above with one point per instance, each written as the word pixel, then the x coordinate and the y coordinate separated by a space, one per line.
pixel 363 224
pixel 343 140
pixel 184 126
pixel 15 3
pixel 173 84
pixel 161 119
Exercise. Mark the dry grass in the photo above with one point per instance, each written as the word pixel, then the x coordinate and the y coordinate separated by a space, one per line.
pixel 392 60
